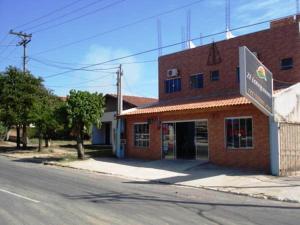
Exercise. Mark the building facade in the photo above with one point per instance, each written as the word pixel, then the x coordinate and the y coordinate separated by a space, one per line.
pixel 105 134
pixel 200 113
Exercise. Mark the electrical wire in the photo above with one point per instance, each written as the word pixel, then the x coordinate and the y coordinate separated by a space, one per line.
pixel 107 85
pixel 119 28
pixel 79 17
pixel 155 49
pixel 48 14
pixel 69 68
pixel 5 48
pixel 65 15
pixel 86 64
pixel 284 82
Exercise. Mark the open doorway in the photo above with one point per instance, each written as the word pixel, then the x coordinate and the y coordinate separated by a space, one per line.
pixel 185 144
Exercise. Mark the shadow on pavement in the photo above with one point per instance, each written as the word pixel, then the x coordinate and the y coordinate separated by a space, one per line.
pixel 111 197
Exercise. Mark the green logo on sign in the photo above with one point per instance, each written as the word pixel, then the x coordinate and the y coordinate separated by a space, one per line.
pixel 261 73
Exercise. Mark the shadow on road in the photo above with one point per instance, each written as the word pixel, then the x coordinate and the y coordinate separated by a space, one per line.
pixel 111 197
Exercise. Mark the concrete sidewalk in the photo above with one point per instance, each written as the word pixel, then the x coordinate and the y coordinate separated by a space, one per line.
pixel 196 174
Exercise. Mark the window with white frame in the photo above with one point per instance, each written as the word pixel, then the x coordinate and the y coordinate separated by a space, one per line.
pixel 141 135
pixel 239 132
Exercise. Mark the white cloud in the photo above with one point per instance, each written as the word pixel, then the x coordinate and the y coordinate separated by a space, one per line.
pixel 257 10
pixel 96 54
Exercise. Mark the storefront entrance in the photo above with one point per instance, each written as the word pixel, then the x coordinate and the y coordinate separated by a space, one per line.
pixel 185 140
pixel 185 144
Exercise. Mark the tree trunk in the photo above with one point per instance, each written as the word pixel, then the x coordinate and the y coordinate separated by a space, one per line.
pixel 80 148
pixel 47 141
pixel 18 137
pixel 40 142
pixel 24 136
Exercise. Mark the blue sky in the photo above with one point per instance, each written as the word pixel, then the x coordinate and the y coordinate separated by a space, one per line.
pixel 94 21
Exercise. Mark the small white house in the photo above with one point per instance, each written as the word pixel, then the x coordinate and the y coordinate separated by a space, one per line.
pixel 105 135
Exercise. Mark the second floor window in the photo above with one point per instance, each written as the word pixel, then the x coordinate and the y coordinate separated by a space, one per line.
pixel 173 85
pixel 286 63
pixel 196 81
pixel 214 75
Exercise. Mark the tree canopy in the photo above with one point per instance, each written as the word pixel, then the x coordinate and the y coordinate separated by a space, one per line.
pixel 84 109
pixel 18 94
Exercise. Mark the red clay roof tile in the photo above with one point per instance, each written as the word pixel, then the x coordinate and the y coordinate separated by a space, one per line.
pixel 194 104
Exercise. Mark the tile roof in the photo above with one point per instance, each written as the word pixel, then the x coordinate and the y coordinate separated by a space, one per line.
pixel 136 100
pixel 189 104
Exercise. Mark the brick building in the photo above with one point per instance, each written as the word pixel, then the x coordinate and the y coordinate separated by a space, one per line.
pixel 200 113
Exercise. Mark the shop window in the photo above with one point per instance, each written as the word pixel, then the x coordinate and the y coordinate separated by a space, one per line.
pixel 286 63
pixel 173 85
pixel 141 135
pixel 196 81
pixel 239 133
pixel 214 75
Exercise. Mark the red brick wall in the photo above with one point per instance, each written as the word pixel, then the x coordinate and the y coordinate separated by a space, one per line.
pixel 272 45
pixel 255 158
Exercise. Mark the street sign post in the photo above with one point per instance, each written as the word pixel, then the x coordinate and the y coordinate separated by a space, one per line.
pixel 256 81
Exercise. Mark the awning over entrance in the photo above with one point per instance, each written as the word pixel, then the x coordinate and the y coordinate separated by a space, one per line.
pixel 188 104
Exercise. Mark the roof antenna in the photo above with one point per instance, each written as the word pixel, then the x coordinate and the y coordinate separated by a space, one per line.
pixel 227 20
pixel 183 41
pixel 188 29
pixel 201 39
pixel 159 40
pixel 297 7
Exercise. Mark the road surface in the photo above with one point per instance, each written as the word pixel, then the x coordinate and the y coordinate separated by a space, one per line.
pixel 33 194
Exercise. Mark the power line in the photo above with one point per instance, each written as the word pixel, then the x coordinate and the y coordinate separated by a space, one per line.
pixel 284 82
pixel 48 14
pixel 87 64
pixel 69 68
pixel 97 86
pixel 65 15
pixel 5 48
pixel 79 17
pixel 119 27
pixel 166 46
pixel 87 81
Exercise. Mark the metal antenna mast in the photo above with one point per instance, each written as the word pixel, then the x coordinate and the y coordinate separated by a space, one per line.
pixel 25 39
pixel 159 40
pixel 227 20
pixel 188 29
pixel 200 40
pixel 183 41
pixel 297 7
pixel 227 15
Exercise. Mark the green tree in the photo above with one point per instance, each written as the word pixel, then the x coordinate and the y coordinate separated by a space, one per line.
pixel 18 94
pixel 44 116
pixel 3 131
pixel 84 109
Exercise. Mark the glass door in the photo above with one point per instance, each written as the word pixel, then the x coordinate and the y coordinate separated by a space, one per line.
pixel 201 140
pixel 168 141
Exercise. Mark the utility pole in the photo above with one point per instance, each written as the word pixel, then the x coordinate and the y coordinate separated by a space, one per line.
pixel 119 148
pixel 119 90
pixel 25 39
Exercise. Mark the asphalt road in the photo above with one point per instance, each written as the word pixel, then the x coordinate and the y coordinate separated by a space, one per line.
pixel 33 194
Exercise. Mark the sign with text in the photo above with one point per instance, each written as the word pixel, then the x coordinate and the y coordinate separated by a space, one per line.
pixel 256 81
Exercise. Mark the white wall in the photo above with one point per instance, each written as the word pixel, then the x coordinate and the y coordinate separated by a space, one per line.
pixel 107 117
pixel 287 105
